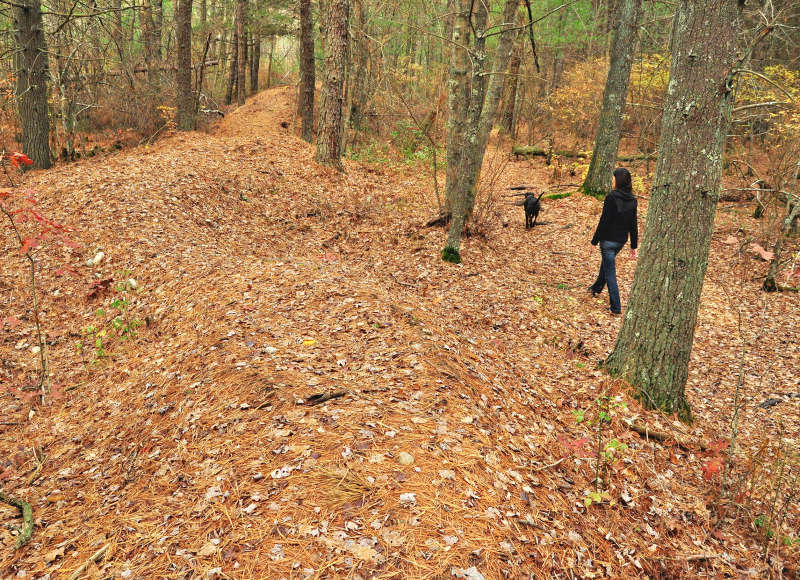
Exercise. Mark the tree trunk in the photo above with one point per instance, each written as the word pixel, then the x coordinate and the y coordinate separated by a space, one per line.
pixel 655 341
pixel 32 74
pixel 510 90
pixel 186 108
pixel 458 99
pixel 233 70
pixel 241 81
pixel 480 120
pixel 255 63
pixel 609 126
pixel 158 26
pixel 305 104
pixel 329 140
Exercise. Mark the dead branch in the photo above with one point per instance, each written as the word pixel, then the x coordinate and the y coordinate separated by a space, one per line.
pixel 93 558
pixel 27 518
pixel 662 437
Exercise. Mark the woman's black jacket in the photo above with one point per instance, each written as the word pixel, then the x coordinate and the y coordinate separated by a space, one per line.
pixel 618 219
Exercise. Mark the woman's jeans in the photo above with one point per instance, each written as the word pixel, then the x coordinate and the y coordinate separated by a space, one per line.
pixel 608 273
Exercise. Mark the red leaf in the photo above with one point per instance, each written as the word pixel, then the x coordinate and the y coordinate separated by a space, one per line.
pixel 5 194
pixel 28 244
pixel 18 159
pixel 65 270
pixel 712 467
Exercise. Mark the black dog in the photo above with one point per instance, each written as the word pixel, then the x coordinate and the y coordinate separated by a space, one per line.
pixel 532 207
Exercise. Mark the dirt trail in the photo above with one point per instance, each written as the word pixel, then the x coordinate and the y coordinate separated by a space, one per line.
pixel 266 280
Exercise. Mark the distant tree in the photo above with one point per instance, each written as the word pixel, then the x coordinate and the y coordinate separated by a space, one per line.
pixel 655 340
pixel 329 139
pixel 186 108
pixel 305 105
pixel 241 52
pixel 609 126
pixel 32 74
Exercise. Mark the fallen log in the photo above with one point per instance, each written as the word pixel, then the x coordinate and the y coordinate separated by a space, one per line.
pixel 528 151
pixel 27 518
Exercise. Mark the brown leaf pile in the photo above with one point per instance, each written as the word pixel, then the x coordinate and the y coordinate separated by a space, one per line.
pixel 312 392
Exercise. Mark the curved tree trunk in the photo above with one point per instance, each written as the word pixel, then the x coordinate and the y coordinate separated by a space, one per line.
pixel 305 104
pixel 329 140
pixel 32 74
pixel 484 100
pixel 609 125
pixel 186 108
pixel 655 341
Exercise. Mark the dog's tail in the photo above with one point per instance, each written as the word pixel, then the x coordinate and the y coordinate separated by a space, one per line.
pixel 540 195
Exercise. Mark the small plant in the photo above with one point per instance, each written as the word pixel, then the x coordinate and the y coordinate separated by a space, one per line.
pixel 43 229
pixel 607 452
pixel 98 338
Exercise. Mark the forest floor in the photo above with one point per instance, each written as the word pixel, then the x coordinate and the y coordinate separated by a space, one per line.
pixel 313 393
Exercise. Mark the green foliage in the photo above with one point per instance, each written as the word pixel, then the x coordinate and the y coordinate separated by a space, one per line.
pixel 559 195
pixel 97 338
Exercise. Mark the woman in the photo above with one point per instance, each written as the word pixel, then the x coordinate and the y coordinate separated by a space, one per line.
pixel 617 222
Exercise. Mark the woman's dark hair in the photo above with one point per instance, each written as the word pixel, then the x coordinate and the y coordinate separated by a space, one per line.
pixel 623 177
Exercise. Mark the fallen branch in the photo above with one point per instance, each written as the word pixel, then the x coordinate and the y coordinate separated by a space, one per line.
pixel 93 558
pixel 27 518
pixel 320 398
pixel 528 151
pixel 661 437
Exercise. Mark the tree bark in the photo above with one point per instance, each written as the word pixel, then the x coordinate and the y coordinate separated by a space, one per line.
pixel 186 108
pixel 655 341
pixel 305 104
pixel 484 101
pixel 329 140
pixel 609 126
pixel 241 81
pixel 32 73
pixel 458 99
pixel 510 90
pixel 255 63
pixel 232 80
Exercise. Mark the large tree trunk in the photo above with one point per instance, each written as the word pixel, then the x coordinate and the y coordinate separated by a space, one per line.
pixel 655 341
pixel 609 126
pixel 484 101
pixel 186 108
pixel 329 140
pixel 241 82
pixel 32 74
pixel 305 104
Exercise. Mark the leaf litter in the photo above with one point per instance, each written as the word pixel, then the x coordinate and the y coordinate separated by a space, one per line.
pixel 266 281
